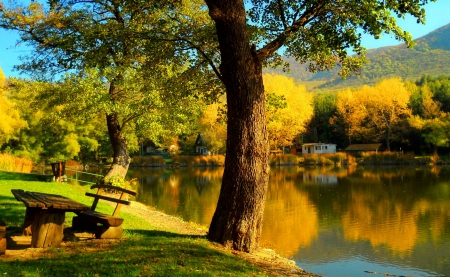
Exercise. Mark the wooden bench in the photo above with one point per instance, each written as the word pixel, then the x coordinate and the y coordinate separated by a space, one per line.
pixel 2 237
pixel 110 225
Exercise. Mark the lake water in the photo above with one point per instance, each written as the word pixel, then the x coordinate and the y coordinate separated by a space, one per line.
pixel 331 221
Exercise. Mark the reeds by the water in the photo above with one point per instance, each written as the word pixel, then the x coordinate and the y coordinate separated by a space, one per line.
pixel 185 160
pixel 148 161
pixel 11 163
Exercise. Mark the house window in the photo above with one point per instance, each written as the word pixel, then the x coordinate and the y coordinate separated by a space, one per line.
pixel 326 147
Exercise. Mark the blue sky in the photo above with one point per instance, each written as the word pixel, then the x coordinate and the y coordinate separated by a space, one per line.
pixel 438 15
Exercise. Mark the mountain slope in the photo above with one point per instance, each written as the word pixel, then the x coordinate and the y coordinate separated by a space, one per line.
pixel 430 56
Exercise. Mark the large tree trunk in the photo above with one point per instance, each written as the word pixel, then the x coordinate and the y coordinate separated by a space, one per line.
pixel 238 217
pixel 121 158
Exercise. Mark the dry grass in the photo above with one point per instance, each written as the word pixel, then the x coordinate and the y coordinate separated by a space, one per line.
pixel 11 163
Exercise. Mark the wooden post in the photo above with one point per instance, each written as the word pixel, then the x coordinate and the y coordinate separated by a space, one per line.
pixel 2 237
pixel 30 215
pixel 48 229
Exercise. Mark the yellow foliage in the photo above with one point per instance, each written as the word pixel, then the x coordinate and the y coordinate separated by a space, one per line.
pixel 10 120
pixel 287 123
pixel 374 110
pixel 213 130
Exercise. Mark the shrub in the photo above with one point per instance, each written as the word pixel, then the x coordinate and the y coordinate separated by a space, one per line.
pixel 283 159
pixel 387 158
pixel 148 161
pixel 325 159
pixel 214 160
pixel 12 163
pixel 434 159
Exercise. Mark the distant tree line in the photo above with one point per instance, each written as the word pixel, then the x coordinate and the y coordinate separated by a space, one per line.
pixel 404 116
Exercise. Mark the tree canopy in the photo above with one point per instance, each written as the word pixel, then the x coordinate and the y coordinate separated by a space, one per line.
pixel 10 119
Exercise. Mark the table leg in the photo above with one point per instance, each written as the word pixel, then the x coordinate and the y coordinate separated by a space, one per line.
pixel 30 215
pixel 47 229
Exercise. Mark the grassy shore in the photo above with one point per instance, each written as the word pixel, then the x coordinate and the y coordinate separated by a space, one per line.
pixel 143 251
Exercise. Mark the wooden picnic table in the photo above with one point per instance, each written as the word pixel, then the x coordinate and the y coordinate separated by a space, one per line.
pixel 45 215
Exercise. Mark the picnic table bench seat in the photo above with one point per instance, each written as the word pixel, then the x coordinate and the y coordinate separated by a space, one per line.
pixel 2 237
pixel 110 225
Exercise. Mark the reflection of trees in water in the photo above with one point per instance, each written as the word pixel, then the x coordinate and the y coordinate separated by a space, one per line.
pixel 380 220
pixel 290 219
pixel 187 192
pixel 390 207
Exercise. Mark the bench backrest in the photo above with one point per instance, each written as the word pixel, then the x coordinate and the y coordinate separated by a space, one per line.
pixel 122 200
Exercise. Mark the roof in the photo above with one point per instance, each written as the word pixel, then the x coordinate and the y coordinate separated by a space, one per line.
pixel 200 140
pixel 363 147
pixel 316 144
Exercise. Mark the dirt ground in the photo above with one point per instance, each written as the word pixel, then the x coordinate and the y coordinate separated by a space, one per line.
pixel 18 246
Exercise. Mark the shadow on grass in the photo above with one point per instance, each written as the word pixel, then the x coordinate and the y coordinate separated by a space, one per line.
pixel 12 211
pixel 18 176
pixel 144 253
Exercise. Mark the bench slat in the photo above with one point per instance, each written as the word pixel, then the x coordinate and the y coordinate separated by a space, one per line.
pixel 130 192
pixel 107 220
pixel 112 199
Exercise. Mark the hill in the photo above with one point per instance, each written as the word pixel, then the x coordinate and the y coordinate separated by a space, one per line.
pixel 430 56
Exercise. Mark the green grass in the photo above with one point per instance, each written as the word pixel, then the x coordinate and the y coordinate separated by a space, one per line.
pixel 143 252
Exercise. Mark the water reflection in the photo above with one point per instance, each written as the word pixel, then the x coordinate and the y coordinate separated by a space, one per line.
pixel 332 221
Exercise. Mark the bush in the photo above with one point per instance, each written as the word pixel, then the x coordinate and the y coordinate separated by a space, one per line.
pixel 325 159
pixel 387 158
pixel 147 161
pixel 11 163
pixel 214 160
pixel 284 159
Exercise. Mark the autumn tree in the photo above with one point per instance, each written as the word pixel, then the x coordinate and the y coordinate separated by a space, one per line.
pixel 386 107
pixel 10 120
pixel 286 120
pixel 318 32
pixel 50 135
pixel 213 127
pixel 131 47
pixel 349 115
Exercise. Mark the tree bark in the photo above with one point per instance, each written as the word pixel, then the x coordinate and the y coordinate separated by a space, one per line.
pixel 121 158
pixel 238 217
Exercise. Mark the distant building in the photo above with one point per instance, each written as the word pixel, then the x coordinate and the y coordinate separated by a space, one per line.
pixel 359 148
pixel 318 148
pixel 200 146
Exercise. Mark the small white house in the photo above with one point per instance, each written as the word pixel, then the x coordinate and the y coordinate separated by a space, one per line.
pixel 200 146
pixel 318 148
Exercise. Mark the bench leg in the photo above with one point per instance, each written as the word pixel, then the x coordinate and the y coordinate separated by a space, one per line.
pixel 47 230
pixel 2 246
pixel 30 215
pixel 78 223
pixel 104 232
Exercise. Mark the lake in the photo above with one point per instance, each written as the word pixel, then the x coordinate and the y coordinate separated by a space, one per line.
pixel 357 221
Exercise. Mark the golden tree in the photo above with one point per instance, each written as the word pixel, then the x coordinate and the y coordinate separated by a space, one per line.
pixel 386 106
pixel 288 116
pixel 10 121
pixel 349 114
pixel 375 111
pixel 213 128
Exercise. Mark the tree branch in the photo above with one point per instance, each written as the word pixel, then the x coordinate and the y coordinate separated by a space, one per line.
pixel 309 15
